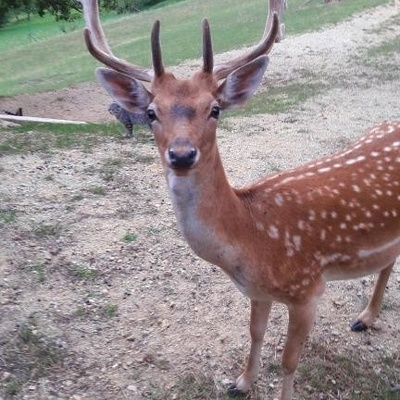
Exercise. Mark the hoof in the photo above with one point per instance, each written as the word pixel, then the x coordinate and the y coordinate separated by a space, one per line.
pixel 358 326
pixel 233 391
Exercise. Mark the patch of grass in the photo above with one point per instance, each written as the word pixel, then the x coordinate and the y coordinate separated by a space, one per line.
pixel 39 271
pixel 279 99
pixel 155 230
pixel 384 60
pixel 27 353
pixel 44 230
pixel 98 190
pixel 143 135
pixel 33 138
pixel 43 352
pixel 145 158
pixel 192 385
pixel 197 386
pixel 385 49
pixel 80 311
pixel 110 168
pixel 77 197
pixel 37 29
pixel 110 310
pixel 7 216
pixel 84 273
pixel 129 237
pixel 347 376
pixel 12 386
pixel 306 16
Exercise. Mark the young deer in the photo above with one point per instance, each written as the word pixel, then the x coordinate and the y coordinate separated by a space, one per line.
pixel 282 238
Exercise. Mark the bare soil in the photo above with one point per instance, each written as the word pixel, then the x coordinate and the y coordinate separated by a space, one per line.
pixel 100 296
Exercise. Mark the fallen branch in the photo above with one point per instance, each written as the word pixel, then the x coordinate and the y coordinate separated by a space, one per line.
pixel 17 118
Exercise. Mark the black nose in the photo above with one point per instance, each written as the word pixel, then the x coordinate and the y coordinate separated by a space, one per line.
pixel 182 154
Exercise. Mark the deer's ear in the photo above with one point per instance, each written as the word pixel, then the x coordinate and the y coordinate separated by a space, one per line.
pixel 241 84
pixel 129 93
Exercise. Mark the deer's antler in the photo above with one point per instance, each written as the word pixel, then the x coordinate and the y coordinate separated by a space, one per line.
pixel 98 47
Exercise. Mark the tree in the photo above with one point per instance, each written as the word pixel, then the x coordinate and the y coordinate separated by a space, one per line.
pixel 63 10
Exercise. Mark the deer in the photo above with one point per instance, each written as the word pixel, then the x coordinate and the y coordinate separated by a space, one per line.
pixel 283 237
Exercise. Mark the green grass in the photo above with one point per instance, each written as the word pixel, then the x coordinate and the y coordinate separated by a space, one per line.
pixel 39 271
pixel 28 353
pixel 97 190
pixel 35 343
pixel 31 137
pixel 278 99
pixel 61 60
pixel 347 375
pixel 7 216
pixel 43 230
pixel 110 168
pixel 110 310
pixel 129 237
pixel 84 273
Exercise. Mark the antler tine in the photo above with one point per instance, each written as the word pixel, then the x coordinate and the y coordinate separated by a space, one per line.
pixel 276 6
pixel 98 47
pixel 208 59
pixel 92 21
pixel 156 49
pixel 270 35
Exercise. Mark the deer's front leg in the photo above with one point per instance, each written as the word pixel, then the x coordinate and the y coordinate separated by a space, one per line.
pixel 367 317
pixel 301 319
pixel 258 324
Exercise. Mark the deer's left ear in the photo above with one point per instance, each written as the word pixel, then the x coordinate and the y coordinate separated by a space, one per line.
pixel 128 92
pixel 241 84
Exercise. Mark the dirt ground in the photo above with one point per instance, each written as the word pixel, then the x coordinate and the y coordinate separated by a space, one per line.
pixel 102 299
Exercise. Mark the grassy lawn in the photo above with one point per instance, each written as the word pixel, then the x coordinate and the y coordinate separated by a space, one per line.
pixel 38 55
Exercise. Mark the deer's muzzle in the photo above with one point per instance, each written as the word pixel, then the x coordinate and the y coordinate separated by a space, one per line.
pixel 182 154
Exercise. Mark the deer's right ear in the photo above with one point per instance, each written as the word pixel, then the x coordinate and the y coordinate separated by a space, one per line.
pixel 128 92
pixel 240 84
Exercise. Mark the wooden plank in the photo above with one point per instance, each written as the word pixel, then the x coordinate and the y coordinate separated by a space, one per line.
pixel 18 118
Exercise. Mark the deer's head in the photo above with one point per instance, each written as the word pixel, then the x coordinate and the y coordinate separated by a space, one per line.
pixel 183 112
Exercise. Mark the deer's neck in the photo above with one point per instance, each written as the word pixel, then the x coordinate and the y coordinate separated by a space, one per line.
pixel 206 208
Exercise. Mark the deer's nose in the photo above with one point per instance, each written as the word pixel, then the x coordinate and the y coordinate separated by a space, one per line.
pixel 182 154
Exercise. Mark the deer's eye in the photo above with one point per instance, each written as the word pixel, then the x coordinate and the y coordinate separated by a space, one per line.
pixel 215 112
pixel 151 114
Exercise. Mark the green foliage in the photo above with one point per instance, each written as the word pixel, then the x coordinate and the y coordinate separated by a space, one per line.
pixel 128 6
pixel 62 10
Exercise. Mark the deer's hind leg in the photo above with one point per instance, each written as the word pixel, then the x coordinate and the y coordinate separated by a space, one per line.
pixel 371 311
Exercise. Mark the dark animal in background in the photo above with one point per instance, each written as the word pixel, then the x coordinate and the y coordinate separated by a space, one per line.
pixel 127 119
pixel 16 113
